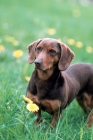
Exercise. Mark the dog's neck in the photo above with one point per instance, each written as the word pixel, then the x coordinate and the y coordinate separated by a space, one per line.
pixel 45 75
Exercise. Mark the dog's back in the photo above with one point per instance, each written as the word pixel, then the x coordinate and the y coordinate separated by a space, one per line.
pixel 54 84
pixel 81 73
pixel 79 80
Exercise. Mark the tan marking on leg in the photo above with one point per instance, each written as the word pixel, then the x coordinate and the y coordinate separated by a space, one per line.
pixel 32 97
pixel 90 120
pixel 38 120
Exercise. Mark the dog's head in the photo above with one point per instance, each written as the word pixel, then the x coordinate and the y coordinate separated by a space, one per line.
pixel 47 52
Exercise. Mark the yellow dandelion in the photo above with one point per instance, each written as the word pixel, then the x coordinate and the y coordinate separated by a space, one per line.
pixel 12 40
pixel 71 41
pixel 51 31
pixel 15 43
pixel 2 48
pixel 27 99
pixel 27 78
pixel 17 53
pixel 9 38
pixel 79 44
pixel 76 13
pixel 89 49
pixel 32 107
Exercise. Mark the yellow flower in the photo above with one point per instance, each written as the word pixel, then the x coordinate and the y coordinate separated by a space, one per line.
pixel 89 49
pixel 9 38
pixel 27 99
pixel 51 31
pixel 17 53
pixel 2 48
pixel 12 40
pixel 15 43
pixel 32 107
pixel 27 78
pixel 71 41
pixel 79 44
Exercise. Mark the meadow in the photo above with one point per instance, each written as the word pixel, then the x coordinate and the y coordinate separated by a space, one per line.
pixel 22 22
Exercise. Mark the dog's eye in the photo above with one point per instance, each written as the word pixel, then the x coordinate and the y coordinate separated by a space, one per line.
pixel 52 52
pixel 38 49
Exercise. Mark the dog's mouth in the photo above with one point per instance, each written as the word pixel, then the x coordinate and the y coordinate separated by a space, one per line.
pixel 38 67
pixel 42 68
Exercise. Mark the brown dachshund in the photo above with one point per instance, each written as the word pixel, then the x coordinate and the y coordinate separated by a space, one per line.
pixel 54 84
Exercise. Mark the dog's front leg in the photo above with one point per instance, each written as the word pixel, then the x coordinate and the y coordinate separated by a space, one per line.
pixel 90 120
pixel 38 120
pixel 56 115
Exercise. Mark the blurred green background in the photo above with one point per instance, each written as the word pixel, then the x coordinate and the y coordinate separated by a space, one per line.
pixel 22 22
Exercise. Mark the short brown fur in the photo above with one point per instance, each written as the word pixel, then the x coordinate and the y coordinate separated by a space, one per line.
pixel 54 84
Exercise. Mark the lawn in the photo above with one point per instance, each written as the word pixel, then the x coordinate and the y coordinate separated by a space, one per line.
pixel 22 22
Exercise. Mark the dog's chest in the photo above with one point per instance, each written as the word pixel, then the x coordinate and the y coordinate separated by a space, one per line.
pixel 47 90
pixel 50 106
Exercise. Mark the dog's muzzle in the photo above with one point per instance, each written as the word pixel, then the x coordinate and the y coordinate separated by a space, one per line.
pixel 37 64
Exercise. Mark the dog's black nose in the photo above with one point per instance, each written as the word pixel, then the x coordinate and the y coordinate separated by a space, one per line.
pixel 37 63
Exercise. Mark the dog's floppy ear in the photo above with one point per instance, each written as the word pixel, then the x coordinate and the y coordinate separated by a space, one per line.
pixel 66 57
pixel 31 50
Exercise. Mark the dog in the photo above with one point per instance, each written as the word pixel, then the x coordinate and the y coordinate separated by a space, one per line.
pixel 55 83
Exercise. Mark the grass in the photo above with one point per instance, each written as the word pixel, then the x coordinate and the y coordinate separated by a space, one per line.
pixel 27 21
